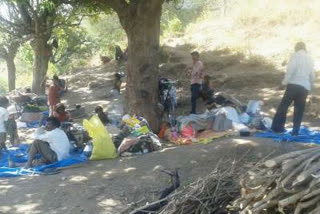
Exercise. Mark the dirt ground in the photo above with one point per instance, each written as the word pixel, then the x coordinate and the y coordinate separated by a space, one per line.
pixel 108 186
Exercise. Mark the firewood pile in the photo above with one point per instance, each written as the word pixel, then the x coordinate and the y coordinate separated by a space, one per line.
pixel 289 183
pixel 211 194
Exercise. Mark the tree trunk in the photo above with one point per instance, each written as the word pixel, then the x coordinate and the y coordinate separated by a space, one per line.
pixel 11 72
pixel 9 55
pixel 142 26
pixel 42 53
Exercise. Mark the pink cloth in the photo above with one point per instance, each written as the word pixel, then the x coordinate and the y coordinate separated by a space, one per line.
pixel 198 73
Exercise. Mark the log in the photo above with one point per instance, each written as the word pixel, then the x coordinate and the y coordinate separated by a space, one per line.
pixel 292 199
pixel 266 205
pixel 278 160
pixel 304 205
pixel 307 173
pixel 315 211
pixel 287 166
pixel 296 171
pixel 311 194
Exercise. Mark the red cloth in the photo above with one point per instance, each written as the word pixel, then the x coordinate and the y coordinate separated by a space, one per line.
pixel 53 95
pixel 63 117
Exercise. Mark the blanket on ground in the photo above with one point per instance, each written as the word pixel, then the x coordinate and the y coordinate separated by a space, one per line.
pixel 19 155
pixel 305 136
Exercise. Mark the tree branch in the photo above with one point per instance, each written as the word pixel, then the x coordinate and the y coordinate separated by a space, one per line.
pixel 119 6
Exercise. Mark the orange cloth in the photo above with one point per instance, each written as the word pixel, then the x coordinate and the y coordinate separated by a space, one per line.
pixel 162 131
pixel 53 95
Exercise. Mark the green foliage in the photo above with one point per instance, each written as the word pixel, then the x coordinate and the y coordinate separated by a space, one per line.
pixel 26 54
pixel 174 27
pixel 74 45
pixel 107 32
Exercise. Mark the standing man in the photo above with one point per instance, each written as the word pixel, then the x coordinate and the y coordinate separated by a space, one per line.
pixel 298 80
pixel 197 75
pixel 53 95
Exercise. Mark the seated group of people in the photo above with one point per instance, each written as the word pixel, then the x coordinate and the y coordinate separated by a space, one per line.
pixel 52 142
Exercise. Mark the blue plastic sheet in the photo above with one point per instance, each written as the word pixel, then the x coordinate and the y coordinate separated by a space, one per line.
pixel 19 156
pixel 35 124
pixel 305 136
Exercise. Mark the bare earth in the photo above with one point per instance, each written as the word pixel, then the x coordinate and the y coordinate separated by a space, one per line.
pixel 108 186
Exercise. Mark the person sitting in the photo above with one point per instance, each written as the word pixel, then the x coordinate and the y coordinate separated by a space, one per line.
pixel 52 144
pixel 61 113
pixel 207 92
pixel 102 116
pixel 118 54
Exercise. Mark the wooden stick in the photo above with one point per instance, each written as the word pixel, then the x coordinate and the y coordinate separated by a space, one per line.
pixel 155 202
pixel 278 160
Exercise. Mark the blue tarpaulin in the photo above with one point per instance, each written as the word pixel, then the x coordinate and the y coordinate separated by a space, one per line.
pixel 305 136
pixel 19 156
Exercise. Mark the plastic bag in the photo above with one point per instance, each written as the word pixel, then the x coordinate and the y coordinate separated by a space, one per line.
pixel 254 107
pixel 103 148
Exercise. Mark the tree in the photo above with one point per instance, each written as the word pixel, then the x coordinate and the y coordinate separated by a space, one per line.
pixel 141 21
pixel 8 51
pixel 39 18
pixel 12 37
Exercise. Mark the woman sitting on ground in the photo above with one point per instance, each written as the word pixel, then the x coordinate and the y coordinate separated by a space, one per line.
pixel 61 113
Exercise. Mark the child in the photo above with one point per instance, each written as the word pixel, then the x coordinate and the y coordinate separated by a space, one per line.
pixel 102 116
pixel 12 130
pixel 4 116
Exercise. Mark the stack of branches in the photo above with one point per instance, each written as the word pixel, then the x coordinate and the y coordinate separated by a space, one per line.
pixel 289 183
pixel 211 194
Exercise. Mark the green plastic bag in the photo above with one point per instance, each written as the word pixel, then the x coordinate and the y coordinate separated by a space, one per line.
pixel 103 147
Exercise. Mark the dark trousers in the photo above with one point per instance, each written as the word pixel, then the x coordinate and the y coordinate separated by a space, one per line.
pixel 195 94
pixel 298 95
pixel 42 148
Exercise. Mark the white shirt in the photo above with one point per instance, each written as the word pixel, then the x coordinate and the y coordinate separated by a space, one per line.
pixel 300 70
pixel 57 140
pixel 4 115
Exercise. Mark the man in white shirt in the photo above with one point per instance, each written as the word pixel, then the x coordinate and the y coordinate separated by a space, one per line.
pixel 4 116
pixel 298 80
pixel 53 144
